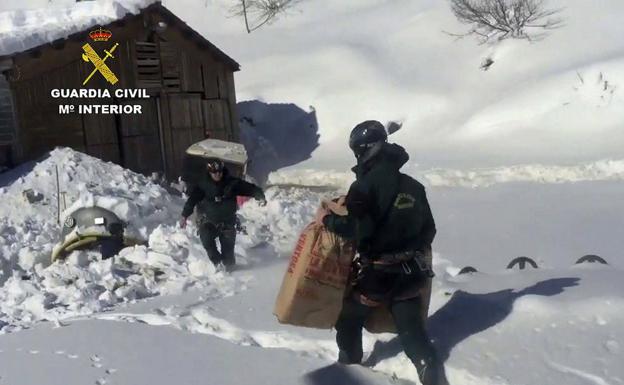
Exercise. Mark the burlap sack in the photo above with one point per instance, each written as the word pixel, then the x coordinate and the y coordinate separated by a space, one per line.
pixel 380 319
pixel 313 287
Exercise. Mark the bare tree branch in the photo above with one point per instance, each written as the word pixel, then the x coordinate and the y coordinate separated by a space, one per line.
pixel 260 12
pixel 502 19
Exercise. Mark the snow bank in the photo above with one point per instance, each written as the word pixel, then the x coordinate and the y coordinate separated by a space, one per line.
pixel 603 170
pixel 279 223
pixel 172 262
pixel 33 290
pixel 340 180
pixel 83 181
pixel 23 29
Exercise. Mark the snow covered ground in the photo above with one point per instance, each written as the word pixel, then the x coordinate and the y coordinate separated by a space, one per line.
pixel 522 159
pixel 162 313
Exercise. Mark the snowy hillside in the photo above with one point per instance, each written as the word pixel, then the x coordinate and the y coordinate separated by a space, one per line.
pixel 556 101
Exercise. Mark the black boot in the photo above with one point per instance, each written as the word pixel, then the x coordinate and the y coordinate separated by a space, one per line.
pixel 430 372
pixel 346 359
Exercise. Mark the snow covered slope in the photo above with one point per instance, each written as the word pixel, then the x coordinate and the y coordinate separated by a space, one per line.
pixel 553 101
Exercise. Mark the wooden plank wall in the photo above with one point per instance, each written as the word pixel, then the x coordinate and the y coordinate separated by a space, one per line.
pixel 186 126
pixel 193 90
pixel 140 138
pixel 7 125
pixel 41 127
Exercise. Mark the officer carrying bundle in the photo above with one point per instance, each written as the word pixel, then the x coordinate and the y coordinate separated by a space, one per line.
pixel 314 284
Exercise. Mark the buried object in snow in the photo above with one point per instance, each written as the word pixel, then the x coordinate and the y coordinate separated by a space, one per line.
pixel 93 228
pixel 522 262
pixel 591 258
pixel 468 270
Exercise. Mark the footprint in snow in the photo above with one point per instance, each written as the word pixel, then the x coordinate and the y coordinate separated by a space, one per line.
pixel 111 371
pixel 34 352
pixel 60 352
pixel 100 381
pixel 95 361
pixel 73 356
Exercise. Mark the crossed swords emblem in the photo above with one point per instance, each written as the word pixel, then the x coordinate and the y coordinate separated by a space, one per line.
pixel 90 55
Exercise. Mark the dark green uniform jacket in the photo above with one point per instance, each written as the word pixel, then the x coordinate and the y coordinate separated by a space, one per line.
pixel 388 210
pixel 216 201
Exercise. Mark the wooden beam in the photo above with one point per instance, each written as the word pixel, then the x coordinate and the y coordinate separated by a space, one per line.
pixel 58 43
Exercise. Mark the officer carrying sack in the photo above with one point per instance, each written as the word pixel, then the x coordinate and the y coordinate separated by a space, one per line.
pixel 380 319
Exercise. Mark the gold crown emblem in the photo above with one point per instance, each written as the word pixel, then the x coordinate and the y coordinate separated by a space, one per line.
pixel 100 34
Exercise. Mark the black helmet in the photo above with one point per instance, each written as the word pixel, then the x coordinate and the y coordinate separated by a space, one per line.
pixel 215 165
pixel 366 140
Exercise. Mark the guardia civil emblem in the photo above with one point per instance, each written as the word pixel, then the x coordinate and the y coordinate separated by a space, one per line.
pixel 91 56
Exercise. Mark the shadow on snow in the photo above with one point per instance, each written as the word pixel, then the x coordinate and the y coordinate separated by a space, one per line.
pixel 467 314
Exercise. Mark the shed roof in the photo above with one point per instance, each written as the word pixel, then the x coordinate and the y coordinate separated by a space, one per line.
pixel 24 31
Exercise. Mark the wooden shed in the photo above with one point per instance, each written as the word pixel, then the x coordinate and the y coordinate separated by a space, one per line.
pixel 189 80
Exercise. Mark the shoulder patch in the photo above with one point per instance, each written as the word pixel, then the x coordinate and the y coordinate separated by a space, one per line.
pixel 404 201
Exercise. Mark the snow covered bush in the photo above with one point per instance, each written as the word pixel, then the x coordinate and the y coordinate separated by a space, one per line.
pixel 502 19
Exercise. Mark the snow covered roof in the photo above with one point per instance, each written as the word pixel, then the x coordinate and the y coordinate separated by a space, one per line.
pixel 22 30
pixel 215 148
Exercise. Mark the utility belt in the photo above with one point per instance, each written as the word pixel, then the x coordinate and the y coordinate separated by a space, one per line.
pixel 203 220
pixel 405 262
pixel 390 275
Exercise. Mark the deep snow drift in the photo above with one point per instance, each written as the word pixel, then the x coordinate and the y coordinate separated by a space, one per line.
pixel 33 289
pixel 172 262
